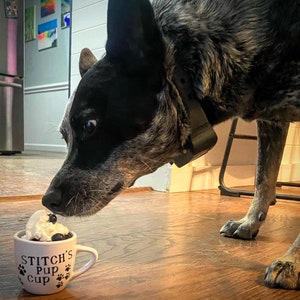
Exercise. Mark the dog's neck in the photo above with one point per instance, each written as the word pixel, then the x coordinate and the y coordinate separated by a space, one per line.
pixel 202 136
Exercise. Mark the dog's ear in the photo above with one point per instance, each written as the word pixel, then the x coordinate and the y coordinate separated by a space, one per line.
pixel 134 39
pixel 86 60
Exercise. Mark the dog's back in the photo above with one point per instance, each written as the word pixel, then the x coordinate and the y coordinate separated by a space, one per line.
pixel 235 51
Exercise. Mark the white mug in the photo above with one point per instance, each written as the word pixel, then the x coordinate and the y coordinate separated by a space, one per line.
pixel 47 267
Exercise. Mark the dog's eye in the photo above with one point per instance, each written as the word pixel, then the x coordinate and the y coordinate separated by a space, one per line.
pixel 89 126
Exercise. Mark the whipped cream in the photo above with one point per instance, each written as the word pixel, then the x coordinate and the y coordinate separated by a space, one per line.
pixel 43 225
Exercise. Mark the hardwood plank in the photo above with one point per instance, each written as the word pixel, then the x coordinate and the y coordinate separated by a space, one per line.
pixel 28 173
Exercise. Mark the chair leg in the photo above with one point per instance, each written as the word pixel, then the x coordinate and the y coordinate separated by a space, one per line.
pixel 226 191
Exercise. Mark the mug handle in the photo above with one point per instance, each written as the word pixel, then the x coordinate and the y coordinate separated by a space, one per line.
pixel 94 257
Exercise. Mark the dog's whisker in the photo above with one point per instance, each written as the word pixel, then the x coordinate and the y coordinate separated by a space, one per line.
pixel 71 199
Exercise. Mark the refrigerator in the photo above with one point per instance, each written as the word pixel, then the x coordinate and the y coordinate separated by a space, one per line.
pixel 11 77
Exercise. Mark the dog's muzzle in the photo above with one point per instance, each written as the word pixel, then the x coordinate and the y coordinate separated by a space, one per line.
pixel 60 200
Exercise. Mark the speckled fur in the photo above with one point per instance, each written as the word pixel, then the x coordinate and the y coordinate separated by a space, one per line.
pixel 243 58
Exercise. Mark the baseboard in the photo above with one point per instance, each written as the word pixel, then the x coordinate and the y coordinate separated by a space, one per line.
pixel 45 147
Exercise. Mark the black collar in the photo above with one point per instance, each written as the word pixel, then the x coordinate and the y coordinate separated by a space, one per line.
pixel 202 137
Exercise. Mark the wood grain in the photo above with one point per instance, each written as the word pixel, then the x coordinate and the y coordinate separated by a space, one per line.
pixel 163 246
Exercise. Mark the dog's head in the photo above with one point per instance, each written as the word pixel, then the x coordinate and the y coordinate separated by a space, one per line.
pixel 121 123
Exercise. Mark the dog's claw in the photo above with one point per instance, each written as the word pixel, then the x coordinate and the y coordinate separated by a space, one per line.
pixel 238 230
pixel 245 233
pixel 283 274
pixel 229 228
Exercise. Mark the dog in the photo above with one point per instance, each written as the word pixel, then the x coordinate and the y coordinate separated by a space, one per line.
pixel 129 114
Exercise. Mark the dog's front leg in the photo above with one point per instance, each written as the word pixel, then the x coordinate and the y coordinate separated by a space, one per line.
pixel 271 140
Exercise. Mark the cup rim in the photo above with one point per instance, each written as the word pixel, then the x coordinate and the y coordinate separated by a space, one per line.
pixel 18 236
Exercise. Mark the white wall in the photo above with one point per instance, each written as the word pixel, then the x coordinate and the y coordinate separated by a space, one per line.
pixel 43 110
pixel 88 30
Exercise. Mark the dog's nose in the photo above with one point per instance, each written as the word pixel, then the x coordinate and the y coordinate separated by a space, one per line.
pixel 53 200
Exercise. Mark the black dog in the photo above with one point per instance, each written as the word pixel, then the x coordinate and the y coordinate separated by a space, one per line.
pixel 130 113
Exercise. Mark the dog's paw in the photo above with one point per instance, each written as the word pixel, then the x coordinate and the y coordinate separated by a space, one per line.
pixel 283 274
pixel 239 230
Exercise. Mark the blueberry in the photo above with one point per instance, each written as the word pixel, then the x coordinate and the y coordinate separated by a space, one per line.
pixel 68 236
pixel 52 218
pixel 58 237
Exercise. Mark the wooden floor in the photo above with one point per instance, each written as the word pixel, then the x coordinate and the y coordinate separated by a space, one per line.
pixel 28 173
pixel 162 246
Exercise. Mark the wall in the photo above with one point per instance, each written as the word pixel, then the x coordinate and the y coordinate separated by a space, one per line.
pixel 89 30
pixel 290 165
pixel 46 87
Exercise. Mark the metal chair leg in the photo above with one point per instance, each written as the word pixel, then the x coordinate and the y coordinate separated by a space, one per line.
pixel 226 191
